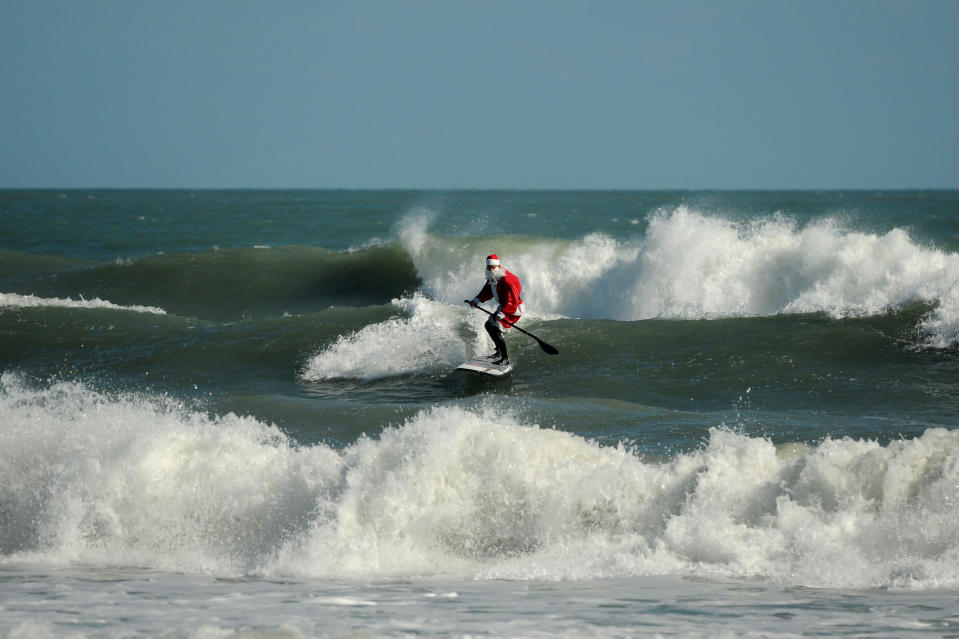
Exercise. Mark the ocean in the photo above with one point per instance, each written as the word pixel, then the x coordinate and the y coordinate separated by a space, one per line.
pixel 236 414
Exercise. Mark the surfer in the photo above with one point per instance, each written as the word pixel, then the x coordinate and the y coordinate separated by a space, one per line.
pixel 505 288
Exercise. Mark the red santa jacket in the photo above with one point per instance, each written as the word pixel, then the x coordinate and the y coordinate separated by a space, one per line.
pixel 506 293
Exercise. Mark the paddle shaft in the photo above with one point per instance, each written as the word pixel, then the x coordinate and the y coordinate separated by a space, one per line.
pixel 546 347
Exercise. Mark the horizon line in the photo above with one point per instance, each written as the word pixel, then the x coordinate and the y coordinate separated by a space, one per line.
pixel 477 188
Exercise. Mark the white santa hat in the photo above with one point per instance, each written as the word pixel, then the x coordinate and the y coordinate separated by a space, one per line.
pixel 492 260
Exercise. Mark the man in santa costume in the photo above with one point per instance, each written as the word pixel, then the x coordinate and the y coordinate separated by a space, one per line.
pixel 504 287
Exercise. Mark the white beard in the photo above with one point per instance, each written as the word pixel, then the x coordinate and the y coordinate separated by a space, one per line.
pixel 493 276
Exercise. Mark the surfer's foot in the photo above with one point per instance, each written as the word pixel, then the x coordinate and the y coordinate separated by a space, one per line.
pixel 494 356
pixel 502 361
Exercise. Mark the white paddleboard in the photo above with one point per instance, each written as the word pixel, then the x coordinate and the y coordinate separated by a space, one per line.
pixel 486 367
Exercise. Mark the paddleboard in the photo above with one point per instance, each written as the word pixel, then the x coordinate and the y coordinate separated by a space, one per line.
pixel 484 366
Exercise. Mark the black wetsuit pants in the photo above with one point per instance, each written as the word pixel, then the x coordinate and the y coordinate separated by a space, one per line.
pixel 496 334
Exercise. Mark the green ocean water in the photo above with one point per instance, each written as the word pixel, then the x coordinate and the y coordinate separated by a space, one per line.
pixel 261 385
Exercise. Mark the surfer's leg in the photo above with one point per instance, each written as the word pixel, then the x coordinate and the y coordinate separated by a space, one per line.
pixel 496 334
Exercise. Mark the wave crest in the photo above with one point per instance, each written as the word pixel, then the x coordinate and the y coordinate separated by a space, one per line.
pixel 690 265
pixel 15 300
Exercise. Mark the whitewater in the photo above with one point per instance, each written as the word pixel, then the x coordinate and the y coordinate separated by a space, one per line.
pixel 476 494
pixel 690 265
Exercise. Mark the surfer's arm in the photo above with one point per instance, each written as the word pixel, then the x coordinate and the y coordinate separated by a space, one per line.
pixel 486 293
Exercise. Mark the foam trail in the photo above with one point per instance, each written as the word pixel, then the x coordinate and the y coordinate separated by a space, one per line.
pixel 427 339
pixel 132 480
pixel 16 300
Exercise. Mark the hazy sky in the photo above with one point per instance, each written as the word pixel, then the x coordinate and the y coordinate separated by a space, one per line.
pixel 479 94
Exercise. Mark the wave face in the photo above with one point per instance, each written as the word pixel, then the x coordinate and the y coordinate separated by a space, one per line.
pixel 141 480
pixel 224 284
pixel 691 265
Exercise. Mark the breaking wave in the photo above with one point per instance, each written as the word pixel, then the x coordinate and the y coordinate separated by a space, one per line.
pixel 139 480
pixel 690 265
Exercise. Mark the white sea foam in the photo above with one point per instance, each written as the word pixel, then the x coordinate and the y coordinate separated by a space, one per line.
pixel 19 301
pixel 692 265
pixel 426 337
pixel 941 327
pixel 140 481
pixel 468 493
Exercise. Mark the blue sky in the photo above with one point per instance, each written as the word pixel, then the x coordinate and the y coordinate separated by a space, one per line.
pixel 480 94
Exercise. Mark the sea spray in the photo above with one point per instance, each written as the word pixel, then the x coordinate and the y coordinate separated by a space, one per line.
pixel 136 480
pixel 940 328
pixel 428 337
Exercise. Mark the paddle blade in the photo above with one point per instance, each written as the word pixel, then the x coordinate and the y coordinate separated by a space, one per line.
pixel 547 347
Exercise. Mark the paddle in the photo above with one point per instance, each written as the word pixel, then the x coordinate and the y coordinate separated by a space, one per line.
pixel 546 347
